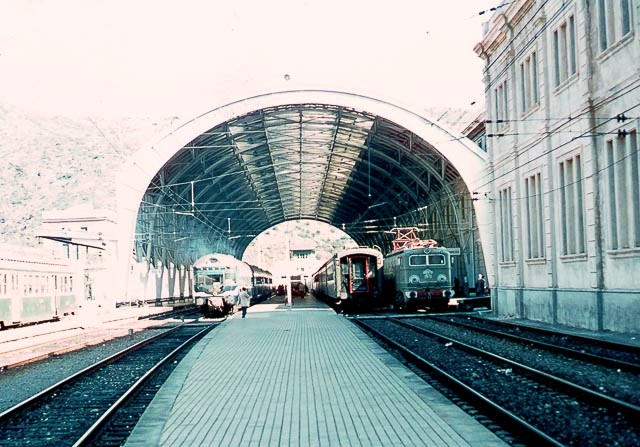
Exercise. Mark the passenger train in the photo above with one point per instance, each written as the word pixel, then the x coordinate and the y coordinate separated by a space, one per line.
pixel 418 277
pixel 218 279
pixel 351 279
pixel 35 287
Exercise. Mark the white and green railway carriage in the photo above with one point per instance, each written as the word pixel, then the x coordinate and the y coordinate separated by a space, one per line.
pixel 219 277
pixel 35 287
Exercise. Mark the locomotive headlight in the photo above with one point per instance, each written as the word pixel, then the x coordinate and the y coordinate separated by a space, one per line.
pixel 414 280
pixel 442 278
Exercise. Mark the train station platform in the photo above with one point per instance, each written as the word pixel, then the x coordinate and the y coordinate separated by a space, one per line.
pixel 299 376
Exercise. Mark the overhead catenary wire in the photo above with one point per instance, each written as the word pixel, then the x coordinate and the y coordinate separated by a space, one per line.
pixel 203 220
pixel 495 8
pixel 621 117
pixel 359 227
pixel 549 133
pixel 587 133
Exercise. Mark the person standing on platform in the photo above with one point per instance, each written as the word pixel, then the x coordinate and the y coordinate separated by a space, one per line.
pixel 456 287
pixel 245 301
pixel 480 285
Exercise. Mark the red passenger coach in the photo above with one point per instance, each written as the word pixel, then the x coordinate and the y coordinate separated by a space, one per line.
pixel 351 279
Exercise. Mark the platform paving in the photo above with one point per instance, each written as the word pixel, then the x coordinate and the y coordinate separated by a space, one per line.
pixel 299 376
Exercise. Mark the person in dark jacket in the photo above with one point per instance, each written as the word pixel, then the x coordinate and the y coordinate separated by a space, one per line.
pixel 480 285
pixel 245 301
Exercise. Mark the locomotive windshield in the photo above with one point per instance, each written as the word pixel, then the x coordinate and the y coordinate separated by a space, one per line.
pixel 205 281
pixel 418 260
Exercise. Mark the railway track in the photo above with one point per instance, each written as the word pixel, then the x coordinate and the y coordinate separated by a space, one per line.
pixel 100 404
pixel 602 352
pixel 178 313
pixel 529 391
pixel 18 348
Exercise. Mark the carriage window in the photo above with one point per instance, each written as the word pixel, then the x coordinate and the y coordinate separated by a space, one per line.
pixel 436 260
pixel 372 268
pixel 358 273
pixel 418 260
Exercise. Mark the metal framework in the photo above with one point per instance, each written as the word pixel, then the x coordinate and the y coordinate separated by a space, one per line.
pixel 337 165
pixel 406 237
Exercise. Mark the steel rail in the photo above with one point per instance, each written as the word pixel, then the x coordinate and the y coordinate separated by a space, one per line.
pixel 580 355
pixel 499 413
pixel 21 406
pixel 624 347
pixel 94 431
pixel 630 410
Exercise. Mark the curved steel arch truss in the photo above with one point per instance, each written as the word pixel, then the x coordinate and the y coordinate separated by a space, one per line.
pixel 345 167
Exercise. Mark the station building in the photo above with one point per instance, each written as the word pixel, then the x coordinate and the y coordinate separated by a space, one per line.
pixel 562 108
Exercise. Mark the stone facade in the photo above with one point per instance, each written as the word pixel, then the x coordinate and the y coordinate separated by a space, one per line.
pixel 562 86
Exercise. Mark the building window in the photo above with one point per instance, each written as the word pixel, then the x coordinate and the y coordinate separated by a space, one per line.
pixel 614 19
pixel 500 101
pixel 534 216
pixel 603 15
pixel 529 82
pixel 564 51
pixel 572 206
pixel 623 192
pixel 625 16
pixel 506 224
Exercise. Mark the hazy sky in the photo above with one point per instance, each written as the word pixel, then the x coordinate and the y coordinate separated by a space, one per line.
pixel 165 58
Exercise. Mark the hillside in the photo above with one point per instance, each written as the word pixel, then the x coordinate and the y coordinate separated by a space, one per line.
pixel 54 162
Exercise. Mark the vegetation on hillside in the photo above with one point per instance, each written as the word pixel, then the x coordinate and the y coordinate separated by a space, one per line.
pixel 54 162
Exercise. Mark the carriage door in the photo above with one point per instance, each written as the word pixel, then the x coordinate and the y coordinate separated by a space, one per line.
pixel 358 275
pixel 16 295
pixel 55 293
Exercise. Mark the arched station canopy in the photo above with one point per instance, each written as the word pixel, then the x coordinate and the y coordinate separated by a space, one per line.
pixel 331 161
